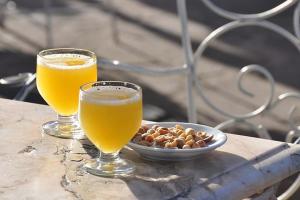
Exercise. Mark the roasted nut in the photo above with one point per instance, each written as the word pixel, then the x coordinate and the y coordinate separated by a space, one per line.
pixel 174 143
pixel 201 143
pixel 173 137
pixel 190 142
pixel 179 131
pixel 173 133
pixel 155 134
pixel 168 145
pixel 186 146
pixel 177 126
pixel 190 131
pixel 183 135
pixel 171 145
pixel 181 138
pixel 180 142
pixel 149 138
pixel 201 134
pixel 189 137
pixel 197 138
pixel 163 131
pixel 160 139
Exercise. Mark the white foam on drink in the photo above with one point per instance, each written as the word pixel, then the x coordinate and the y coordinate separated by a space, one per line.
pixel 58 61
pixel 109 95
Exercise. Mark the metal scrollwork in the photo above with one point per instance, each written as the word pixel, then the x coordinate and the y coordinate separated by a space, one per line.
pixel 258 19
pixel 241 20
pixel 237 16
pixel 296 20
pixel 245 70
pixel 294 128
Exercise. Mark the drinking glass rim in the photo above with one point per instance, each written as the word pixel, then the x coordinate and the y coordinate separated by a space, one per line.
pixel 136 87
pixel 64 50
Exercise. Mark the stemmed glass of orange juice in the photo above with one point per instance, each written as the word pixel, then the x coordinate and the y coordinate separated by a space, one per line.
pixel 110 113
pixel 60 73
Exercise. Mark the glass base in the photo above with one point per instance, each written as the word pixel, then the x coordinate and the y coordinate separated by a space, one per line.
pixel 65 127
pixel 118 167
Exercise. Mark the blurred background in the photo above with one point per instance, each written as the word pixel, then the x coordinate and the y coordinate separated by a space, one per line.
pixel 147 33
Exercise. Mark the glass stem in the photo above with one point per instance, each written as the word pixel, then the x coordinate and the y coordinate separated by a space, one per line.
pixel 109 157
pixel 68 127
pixel 68 124
pixel 66 119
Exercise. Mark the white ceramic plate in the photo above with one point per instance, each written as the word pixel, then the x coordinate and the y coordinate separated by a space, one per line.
pixel 154 153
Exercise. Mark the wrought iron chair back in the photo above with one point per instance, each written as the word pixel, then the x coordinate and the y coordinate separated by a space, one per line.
pixel 191 59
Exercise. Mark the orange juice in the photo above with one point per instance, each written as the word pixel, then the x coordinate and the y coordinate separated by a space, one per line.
pixel 110 116
pixel 59 77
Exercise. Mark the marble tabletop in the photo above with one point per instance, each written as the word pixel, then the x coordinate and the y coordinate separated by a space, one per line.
pixel 35 166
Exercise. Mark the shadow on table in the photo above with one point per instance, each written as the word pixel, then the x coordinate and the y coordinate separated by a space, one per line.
pixel 171 180
pixel 212 171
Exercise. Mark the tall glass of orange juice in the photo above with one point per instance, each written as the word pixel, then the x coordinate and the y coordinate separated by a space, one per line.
pixel 60 73
pixel 110 113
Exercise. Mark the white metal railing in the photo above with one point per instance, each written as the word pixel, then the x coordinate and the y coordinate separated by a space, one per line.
pixel 191 59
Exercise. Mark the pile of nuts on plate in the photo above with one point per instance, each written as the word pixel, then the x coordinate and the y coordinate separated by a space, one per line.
pixel 176 137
